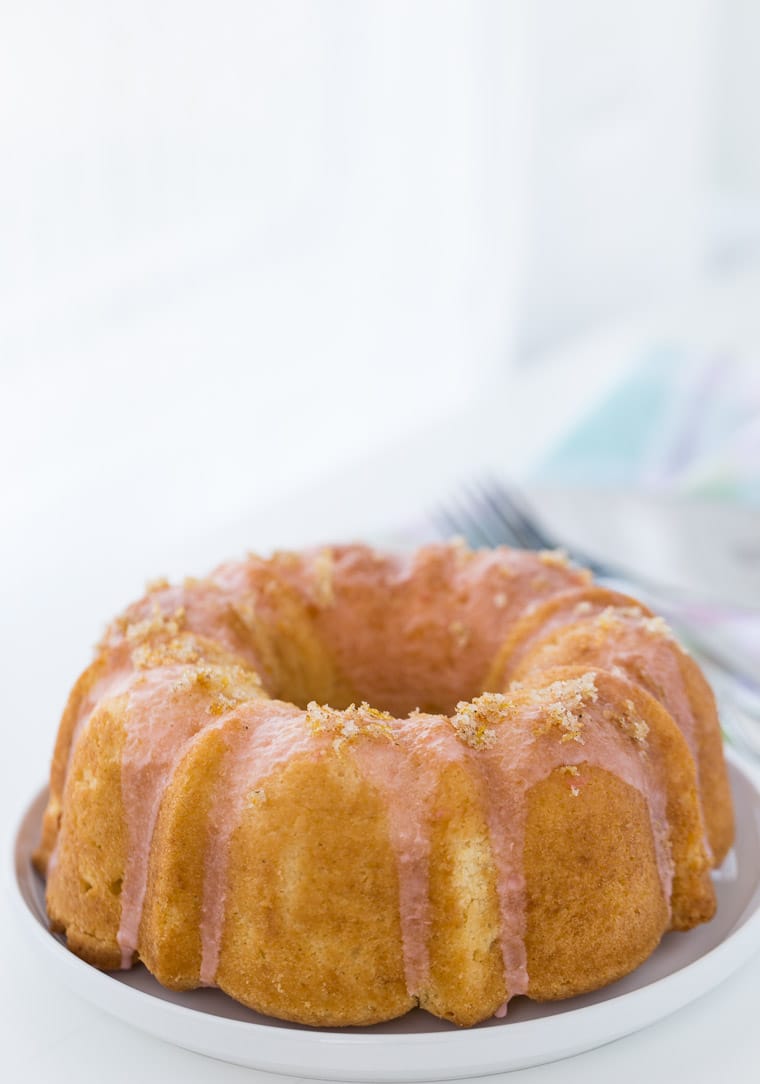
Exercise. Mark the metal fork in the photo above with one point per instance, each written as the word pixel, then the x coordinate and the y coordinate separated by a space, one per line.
pixel 491 513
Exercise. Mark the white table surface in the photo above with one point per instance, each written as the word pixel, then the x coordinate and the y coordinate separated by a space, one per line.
pixel 68 565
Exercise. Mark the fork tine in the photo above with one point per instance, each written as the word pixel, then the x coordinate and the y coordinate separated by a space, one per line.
pixel 513 508
pixel 445 522
pixel 511 527
pixel 496 527
pixel 470 516
pixel 479 529
pixel 490 512
pixel 456 518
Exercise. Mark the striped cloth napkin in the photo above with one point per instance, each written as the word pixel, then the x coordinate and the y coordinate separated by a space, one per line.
pixel 676 423
pixel 688 425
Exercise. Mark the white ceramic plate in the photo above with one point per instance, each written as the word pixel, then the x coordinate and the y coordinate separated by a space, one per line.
pixel 419 1047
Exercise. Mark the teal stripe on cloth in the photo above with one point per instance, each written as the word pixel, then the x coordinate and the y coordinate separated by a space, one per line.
pixel 615 442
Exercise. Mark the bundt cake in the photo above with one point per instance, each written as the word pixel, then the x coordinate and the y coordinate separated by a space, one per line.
pixel 529 794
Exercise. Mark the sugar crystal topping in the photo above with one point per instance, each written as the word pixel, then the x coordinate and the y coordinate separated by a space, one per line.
pixel 561 706
pixel 158 640
pixel 554 558
pixel 158 624
pixel 225 686
pixel 160 583
pixel 658 626
pixel 461 551
pixel 473 719
pixel 632 723
pixel 350 723
pixel 150 654
pixel 615 616
pixel 458 544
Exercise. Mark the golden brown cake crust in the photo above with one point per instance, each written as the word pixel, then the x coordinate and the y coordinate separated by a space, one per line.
pixel 222 811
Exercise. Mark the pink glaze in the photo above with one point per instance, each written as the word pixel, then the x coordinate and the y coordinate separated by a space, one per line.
pixel 404 768
pixel 260 736
pixel 114 682
pixel 420 630
pixel 516 762
pixel 404 631
pixel 202 607
pixel 565 608
pixel 632 642
pixel 160 726
pixel 407 772
pixel 407 631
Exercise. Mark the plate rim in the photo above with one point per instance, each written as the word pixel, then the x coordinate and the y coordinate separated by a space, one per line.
pixel 128 1003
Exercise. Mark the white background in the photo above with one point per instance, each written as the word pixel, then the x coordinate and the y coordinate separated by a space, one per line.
pixel 274 272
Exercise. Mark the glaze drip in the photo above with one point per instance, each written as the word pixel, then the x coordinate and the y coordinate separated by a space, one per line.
pixel 407 770
pixel 259 738
pixel 403 631
pixel 536 731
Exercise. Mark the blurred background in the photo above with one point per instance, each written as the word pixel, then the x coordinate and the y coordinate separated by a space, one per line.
pixel 274 273
pixel 279 272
